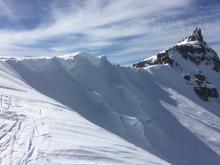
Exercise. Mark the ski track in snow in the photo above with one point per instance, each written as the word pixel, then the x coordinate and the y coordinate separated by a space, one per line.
pixel 20 134
pixel 26 139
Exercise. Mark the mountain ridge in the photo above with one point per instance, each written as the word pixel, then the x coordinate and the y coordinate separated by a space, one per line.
pixel 88 111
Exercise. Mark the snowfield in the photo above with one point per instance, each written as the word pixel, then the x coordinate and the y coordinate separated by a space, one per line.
pixel 36 129
pixel 84 110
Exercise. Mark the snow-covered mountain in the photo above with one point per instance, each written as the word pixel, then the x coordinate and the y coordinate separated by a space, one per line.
pixel 195 60
pixel 79 109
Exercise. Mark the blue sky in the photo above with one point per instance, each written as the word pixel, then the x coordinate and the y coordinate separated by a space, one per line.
pixel 125 31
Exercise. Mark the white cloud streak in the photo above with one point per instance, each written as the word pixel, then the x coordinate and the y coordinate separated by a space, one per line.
pixel 101 25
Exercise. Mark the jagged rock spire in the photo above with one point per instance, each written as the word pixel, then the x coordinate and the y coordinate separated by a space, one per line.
pixel 196 35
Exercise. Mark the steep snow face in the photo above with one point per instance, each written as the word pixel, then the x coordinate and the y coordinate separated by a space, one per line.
pixel 36 129
pixel 79 109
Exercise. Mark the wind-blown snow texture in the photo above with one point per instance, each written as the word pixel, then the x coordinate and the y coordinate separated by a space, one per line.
pixel 84 110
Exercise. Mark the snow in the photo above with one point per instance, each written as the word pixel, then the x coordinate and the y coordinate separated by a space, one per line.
pixel 189 43
pixel 84 110
pixel 152 58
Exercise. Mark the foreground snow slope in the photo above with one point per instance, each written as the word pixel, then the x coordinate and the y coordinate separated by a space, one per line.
pixel 35 129
pixel 84 110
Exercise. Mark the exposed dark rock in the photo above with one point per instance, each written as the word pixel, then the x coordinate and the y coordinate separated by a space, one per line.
pixel 140 64
pixel 199 54
pixel 187 77
pixel 200 77
pixel 189 51
pixel 196 35
pixel 216 65
pixel 162 58
pixel 199 82
pixel 202 92
pixel 202 89
pixel 205 92
pixel 213 93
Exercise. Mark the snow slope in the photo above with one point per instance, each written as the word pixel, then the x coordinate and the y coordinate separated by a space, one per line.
pixel 36 129
pixel 84 110
pixel 79 109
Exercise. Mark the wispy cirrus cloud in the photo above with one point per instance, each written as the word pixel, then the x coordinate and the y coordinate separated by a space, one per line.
pixel 123 30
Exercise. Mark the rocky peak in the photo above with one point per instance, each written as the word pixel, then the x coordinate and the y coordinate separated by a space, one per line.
pixel 196 35
pixel 190 53
pixel 193 48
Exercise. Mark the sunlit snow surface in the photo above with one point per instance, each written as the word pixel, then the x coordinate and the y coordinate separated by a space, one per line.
pixel 83 110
